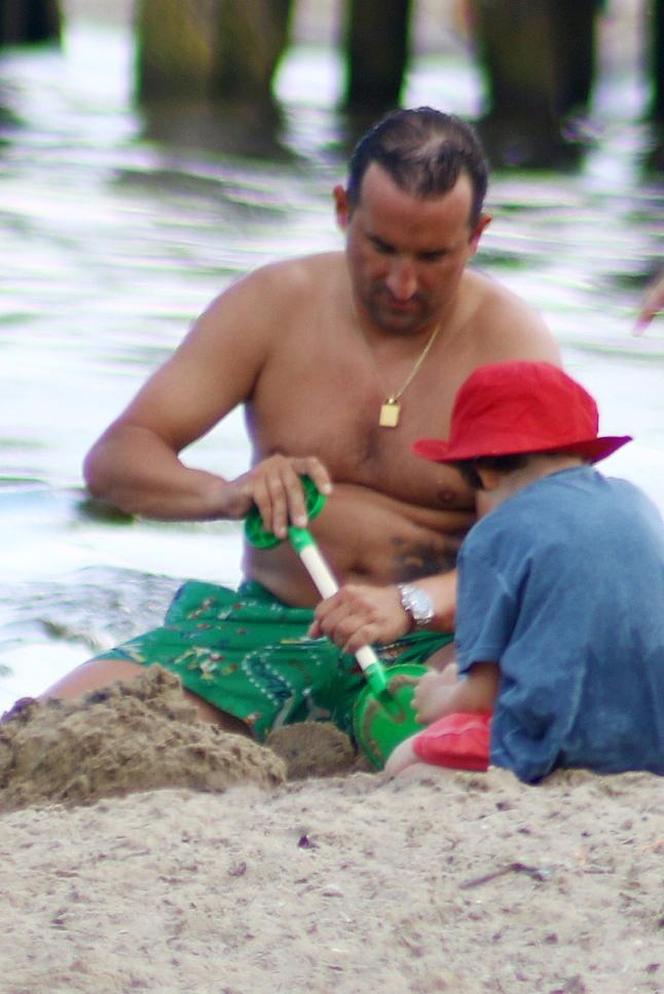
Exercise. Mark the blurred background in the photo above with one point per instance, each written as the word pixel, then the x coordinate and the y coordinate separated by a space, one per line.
pixel 153 151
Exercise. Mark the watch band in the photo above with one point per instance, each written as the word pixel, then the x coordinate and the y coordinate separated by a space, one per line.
pixel 417 604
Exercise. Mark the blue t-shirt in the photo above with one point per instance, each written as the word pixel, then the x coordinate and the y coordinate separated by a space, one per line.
pixel 563 586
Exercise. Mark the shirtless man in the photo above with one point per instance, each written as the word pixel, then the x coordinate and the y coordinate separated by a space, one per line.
pixel 342 360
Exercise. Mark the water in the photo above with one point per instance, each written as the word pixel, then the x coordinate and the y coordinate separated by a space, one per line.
pixel 114 242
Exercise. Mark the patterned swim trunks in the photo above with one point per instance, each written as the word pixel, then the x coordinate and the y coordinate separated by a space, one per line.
pixel 248 654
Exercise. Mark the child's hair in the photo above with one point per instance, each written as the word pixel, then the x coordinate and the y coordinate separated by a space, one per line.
pixel 504 464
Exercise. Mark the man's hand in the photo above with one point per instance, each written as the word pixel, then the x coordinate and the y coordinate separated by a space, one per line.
pixel 274 485
pixel 359 615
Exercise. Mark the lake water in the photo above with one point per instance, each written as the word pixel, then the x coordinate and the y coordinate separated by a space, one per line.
pixel 113 243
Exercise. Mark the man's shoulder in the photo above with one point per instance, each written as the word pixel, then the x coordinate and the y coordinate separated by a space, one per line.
pixel 299 273
pixel 276 291
pixel 504 324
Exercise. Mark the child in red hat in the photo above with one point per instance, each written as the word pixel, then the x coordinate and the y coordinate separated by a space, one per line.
pixel 560 611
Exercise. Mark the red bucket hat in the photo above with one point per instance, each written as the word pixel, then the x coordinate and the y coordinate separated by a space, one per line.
pixel 510 407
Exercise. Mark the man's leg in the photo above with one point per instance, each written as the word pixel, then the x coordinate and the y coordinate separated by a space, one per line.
pixel 99 673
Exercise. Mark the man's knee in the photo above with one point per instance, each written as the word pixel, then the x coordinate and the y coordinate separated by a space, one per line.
pixel 99 673
pixel 93 675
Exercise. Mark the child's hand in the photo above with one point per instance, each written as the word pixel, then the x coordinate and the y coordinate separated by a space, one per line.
pixel 432 696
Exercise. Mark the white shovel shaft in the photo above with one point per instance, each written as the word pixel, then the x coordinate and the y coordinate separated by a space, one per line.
pixel 326 585
pixel 319 571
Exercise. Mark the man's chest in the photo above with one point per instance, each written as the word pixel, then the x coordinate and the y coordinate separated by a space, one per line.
pixel 342 428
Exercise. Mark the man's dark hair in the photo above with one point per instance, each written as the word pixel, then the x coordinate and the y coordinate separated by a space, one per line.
pixel 424 152
pixel 504 464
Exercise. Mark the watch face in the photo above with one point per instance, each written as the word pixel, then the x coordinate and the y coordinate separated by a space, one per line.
pixel 423 609
pixel 417 603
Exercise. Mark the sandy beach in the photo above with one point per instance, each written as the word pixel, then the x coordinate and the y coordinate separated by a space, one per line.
pixel 142 850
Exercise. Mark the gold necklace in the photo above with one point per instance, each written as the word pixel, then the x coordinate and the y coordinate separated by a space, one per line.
pixel 390 409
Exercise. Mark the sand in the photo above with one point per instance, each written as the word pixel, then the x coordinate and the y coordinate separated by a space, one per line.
pixel 144 851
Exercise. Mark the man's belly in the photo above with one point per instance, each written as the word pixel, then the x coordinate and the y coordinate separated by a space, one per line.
pixel 365 537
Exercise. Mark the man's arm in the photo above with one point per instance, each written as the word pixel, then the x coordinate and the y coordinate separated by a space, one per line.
pixel 135 464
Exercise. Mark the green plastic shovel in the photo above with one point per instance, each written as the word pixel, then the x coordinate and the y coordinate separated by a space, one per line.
pixel 383 715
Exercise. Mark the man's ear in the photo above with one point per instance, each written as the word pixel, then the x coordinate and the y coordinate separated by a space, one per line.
pixel 341 206
pixel 478 231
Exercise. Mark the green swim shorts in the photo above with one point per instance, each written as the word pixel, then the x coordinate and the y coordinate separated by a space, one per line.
pixel 248 654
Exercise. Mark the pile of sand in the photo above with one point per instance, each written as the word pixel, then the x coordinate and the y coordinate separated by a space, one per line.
pixel 133 736
pixel 142 735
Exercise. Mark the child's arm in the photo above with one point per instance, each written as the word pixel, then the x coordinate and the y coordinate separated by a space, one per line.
pixel 436 697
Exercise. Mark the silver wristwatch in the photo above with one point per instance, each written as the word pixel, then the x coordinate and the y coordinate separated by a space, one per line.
pixel 416 603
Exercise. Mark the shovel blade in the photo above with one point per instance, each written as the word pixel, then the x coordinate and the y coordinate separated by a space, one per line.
pixel 382 721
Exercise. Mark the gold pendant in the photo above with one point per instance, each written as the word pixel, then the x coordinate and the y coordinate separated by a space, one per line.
pixel 389 414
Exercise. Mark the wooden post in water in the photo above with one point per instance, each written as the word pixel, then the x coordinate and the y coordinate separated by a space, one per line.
pixel 251 39
pixel 657 62
pixel 29 21
pixel 210 49
pixel 376 45
pixel 174 49
pixel 654 160
pixel 538 58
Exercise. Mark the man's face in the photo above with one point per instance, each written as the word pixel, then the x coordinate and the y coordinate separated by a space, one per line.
pixel 406 255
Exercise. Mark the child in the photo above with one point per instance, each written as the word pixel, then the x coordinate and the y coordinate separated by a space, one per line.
pixel 560 612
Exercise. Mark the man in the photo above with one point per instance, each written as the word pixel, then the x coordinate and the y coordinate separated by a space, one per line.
pixel 342 359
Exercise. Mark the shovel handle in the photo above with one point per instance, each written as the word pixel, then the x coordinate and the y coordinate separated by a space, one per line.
pixel 326 585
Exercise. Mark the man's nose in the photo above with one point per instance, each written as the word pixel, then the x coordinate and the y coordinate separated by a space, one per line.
pixel 402 279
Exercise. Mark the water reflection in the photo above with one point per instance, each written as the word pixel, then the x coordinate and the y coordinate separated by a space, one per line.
pixel 234 129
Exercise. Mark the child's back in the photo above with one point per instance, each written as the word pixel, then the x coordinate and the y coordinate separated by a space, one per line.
pixel 563 583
